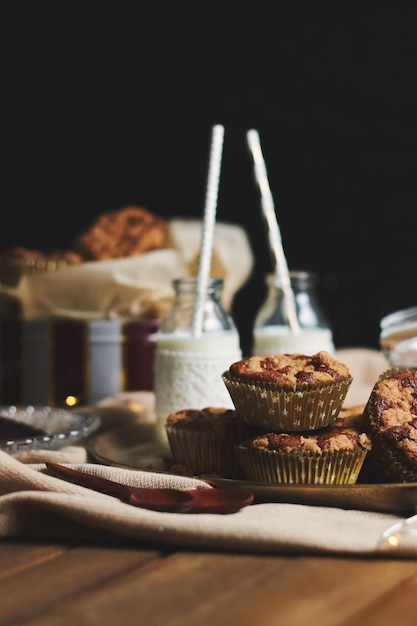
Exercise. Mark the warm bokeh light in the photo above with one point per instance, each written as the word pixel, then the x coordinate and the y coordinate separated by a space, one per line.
pixel 136 407
pixel 394 540
pixel 71 401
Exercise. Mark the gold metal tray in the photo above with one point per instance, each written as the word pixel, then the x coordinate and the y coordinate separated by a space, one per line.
pixel 134 446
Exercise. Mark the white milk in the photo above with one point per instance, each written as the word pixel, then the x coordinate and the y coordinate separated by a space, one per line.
pixel 188 372
pixel 221 342
pixel 280 340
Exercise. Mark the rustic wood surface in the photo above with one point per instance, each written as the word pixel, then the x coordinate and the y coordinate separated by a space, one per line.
pixel 43 584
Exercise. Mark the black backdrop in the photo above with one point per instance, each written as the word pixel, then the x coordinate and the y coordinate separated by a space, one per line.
pixel 108 103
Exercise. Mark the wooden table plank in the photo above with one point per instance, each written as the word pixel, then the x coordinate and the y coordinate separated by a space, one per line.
pixel 109 585
pixel 398 606
pixel 15 557
pixel 49 577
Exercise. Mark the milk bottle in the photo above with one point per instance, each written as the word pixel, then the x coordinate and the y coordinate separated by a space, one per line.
pixel 272 332
pixel 188 368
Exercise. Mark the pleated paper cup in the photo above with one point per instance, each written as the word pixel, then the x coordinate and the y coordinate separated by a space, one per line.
pixel 204 452
pixel 389 461
pixel 272 466
pixel 268 407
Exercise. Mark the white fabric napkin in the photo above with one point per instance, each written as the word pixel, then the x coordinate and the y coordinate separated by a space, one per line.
pixel 34 504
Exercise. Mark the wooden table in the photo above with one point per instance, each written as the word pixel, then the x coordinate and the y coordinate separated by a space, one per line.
pixel 123 583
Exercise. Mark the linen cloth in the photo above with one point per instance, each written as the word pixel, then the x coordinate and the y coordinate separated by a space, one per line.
pixel 34 504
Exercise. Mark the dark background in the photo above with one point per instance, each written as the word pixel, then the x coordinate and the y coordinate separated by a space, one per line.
pixel 109 103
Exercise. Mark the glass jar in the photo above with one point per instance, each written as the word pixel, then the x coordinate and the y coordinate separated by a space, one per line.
pixel 188 366
pixel 398 338
pixel 273 333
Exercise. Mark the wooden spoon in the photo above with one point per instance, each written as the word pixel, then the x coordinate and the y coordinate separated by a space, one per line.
pixel 220 500
pixel 166 500
pixel 203 500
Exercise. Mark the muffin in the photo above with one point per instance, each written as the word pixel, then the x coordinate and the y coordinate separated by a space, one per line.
pixel 122 233
pixel 331 456
pixel 20 261
pixel 288 392
pixel 202 440
pixel 390 419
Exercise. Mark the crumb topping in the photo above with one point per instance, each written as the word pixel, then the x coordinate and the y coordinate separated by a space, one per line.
pixel 290 369
pixel 338 437
pixel 216 419
pixel 394 410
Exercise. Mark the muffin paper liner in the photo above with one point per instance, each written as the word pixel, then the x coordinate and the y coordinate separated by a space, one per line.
pixel 385 458
pixel 204 452
pixel 390 462
pixel 330 468
pixel 266 407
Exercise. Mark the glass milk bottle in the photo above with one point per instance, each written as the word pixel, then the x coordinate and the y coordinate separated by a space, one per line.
pixel 398 338
pixel 272 332
pixel 188 368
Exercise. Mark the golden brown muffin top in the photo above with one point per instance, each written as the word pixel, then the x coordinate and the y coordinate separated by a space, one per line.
pixel 289 369
pixel 393 409
pixel 217 419
pixel 344 435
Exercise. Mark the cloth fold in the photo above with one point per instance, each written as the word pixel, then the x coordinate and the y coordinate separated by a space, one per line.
pixel 34 504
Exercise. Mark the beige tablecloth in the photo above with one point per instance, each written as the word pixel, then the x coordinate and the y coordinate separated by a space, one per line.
pixel 35 504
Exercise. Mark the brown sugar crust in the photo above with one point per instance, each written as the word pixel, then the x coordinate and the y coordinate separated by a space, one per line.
pixel 214 419
pixel 344 435
pixel 289 370
pixel 122 233
pixel 392 411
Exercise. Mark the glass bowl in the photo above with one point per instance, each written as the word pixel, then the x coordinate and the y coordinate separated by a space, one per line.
pixel 61 427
